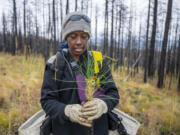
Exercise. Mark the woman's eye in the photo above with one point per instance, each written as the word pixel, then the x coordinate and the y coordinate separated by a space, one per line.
pixel 84 36
pixel 73 36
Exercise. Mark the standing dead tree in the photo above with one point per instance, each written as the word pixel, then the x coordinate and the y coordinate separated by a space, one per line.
pixel 5 46
pixel 164 45
pixel 153 38
pixel 76 5
pixel 129 38
pixel 112 30
pixel 26 49
pixel 54 26
pixel 146 47
pixel 96 23
pixel 14 29
pixel 119 36
pixel 67 7
pixel 61 14
pixel 106 28
pixel 178 63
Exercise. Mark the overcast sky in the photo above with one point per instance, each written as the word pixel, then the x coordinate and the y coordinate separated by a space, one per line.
pixel 139 5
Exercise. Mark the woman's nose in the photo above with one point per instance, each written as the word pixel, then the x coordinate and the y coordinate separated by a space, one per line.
pixel 79 40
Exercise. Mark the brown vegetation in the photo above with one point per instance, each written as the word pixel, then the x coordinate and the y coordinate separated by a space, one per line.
pixel 156 109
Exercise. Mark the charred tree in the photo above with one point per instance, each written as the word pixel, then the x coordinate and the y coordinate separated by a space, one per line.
pixel 146 47
pixel 122 42
pixel 168 61
pixel 178 64
pixel 67 7
pixel 153 38
pixel 177 51
pixel 96 22
pixel 24 25
pixel 20 41
pixel 105 50
pixel 179 82
pixel 129 39
pixel 82 5
pixel 61 14
pixel 164 46
pixel 5 45
pixel 49 28
pixel 139 48
pixel 76 5
pixel 90 43
pixel 119 38
pixel 54 25
pixel 112 30
pixel 15 41
pixel 178 58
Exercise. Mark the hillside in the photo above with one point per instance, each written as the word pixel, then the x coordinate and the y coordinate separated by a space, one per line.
pixel 158 110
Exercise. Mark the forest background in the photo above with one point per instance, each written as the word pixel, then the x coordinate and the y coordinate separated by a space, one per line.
pixel 143 37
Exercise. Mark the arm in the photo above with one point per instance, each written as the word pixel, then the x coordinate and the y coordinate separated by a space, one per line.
pixel 49 97
pixel 56 109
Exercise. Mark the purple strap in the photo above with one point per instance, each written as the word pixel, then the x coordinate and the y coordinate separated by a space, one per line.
pixel 80 80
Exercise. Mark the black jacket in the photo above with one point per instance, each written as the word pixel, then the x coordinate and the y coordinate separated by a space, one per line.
pixel 55 95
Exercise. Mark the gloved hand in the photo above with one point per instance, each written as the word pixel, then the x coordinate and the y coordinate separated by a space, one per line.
pixel 94 109
pixel 74 113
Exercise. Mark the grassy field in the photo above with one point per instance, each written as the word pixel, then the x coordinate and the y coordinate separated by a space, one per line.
pixel 158 110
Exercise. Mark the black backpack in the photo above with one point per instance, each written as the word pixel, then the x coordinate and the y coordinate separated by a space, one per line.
pixel 115 123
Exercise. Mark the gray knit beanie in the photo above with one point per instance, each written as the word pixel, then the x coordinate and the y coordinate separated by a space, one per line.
pixel 69 25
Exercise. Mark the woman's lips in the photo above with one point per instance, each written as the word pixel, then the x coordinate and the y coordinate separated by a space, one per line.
pixel 78 49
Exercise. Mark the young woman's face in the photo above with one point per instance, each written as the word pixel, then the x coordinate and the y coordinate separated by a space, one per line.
pixel 77 42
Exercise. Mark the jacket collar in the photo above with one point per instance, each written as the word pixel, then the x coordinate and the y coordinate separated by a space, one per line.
pixel 81 59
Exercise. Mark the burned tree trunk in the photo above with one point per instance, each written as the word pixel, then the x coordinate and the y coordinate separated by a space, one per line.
pixel 82 5
pixel 178 58
pixel 152 46
pixel 67 7
pixel 4 23
pixel 178 63
pixel 76 5
pixel 105 50
pixel 179 82
pixel 15 41
pixel 174 52
pixel 168 61
pixel 164 46
pixel 24 25
pixel 146 49
pixel 112 30
pixel 96 22
pixel 119 39
pixel 54 24
pixel 61 14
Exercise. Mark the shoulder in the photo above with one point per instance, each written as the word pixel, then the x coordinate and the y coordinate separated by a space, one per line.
pixel 58 56
pixel 57 61
pixel 50 63
pixel 51 60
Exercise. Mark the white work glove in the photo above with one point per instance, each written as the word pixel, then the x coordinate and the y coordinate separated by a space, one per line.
pixel 94 109
pixel 74 113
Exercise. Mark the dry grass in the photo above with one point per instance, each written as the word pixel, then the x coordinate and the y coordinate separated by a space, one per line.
pixel 158 110
pixel 20 85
